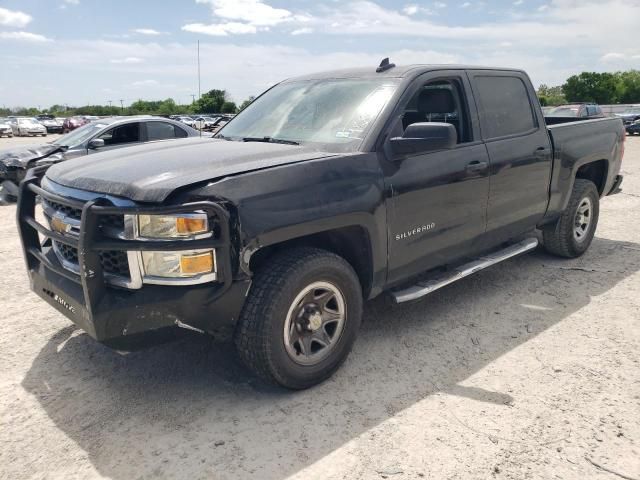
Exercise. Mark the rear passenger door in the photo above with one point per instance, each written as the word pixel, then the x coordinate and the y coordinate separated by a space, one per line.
pixel 519 148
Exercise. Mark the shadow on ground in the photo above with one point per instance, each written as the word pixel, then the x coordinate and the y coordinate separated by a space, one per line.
pixel 190 404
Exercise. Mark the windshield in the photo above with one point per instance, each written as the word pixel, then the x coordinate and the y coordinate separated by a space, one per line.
pixel 563 112
pixel 334 113
pixel 80 135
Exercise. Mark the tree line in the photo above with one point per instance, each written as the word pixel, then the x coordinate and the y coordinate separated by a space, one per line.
pixel 211 102
pixel 603 88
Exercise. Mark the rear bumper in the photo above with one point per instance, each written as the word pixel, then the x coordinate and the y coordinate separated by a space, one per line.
pixel 119 317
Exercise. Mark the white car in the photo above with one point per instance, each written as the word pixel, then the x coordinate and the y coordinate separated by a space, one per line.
pixel 5 128
pixel 205 123
pixel 187 121
pixel 27 127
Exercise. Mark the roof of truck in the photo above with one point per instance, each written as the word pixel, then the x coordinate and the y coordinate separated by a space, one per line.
pixel 398 71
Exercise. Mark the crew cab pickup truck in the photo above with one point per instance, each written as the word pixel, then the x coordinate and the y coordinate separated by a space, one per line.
pixel 328 190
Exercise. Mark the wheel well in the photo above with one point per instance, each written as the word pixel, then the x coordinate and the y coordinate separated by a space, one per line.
pixel 596 172
pixel 351 243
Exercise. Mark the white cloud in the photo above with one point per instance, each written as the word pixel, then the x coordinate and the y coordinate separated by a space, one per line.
pixel 145 83
pixel 24 36
pixel 302 31
pixel 465 5
pixel 14 18
pixel 440 5
pixel 411 9
pixel 127 60
pixel 147 31
pixel 220 29
pixel 518 2
pixel 543 8
pixel 254 12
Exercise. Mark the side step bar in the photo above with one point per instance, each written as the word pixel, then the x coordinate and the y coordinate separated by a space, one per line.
pixel 424 287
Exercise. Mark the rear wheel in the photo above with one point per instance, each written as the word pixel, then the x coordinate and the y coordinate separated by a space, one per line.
pixel 301 318
pixel 571 235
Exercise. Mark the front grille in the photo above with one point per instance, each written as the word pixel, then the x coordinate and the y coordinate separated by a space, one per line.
pixel 113 222
pixel 113 262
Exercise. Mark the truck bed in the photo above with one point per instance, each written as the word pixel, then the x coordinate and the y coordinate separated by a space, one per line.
pixel 577 143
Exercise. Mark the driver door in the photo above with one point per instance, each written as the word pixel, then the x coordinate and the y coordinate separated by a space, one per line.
pixel 121 136
pixel 437 208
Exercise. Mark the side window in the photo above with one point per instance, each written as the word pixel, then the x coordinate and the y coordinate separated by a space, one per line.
pixel 440 101
pixel 128 133
pixel 505 106
pixel 163 131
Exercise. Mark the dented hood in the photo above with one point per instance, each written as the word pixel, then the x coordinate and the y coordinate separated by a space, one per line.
pixel 150 173
pixel 21 156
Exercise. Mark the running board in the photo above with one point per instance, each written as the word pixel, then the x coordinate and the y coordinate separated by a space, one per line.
pixel 425 287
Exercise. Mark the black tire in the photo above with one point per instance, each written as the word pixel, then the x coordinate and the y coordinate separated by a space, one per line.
pixel 559 237
pixel 259 335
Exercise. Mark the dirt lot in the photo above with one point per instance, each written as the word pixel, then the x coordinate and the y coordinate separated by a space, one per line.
pixel 530 369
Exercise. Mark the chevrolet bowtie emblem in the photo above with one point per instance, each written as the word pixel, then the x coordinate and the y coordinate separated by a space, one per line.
pixel 59 225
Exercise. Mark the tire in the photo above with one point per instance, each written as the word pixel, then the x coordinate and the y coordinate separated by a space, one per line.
pixel 560 238
pixel 262 339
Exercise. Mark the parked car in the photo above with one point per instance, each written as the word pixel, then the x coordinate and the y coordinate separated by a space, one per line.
pixel 50 123
pixel 205 123
pixel 102 135
pixel 633 127
pixel 71 123
pixel 188 121
pixel 630 115
pixel 567 113
pixel 328 190
pixel 5 128
pixel 26 127
pixel 219 123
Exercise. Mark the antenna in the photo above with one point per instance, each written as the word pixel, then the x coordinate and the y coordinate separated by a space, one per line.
pixel 198 69
pixel 385 65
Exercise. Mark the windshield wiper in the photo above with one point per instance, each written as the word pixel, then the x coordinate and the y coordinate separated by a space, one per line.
pixel 269 140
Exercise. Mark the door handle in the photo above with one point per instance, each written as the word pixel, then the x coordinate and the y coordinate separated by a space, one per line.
pixel 476 166
pixel 541 151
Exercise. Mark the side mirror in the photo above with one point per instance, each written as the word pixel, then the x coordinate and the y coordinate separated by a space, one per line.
pixel 425 137
pixel 96 143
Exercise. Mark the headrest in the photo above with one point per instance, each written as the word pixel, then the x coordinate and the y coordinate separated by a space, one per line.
pixel 436 100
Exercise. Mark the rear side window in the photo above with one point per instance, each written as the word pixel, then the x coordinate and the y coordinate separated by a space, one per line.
pixel 163 131
pixel 505 106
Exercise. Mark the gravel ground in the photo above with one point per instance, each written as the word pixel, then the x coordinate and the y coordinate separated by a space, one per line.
pixel 530 369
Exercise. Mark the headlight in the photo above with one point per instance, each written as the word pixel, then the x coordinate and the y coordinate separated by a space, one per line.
pixel 180 264
pixel 172 226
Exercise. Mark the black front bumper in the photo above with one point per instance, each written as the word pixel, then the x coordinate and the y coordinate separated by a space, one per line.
pixel 119 317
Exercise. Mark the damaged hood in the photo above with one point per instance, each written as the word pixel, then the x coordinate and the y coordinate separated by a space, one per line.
pixel 22 155
pixel 150 173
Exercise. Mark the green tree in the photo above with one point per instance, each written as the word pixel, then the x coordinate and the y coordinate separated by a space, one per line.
pixel 550 95
pixel 211 102
pixel 595 87
pixel 229 107
pixel 246 103
pixel 629 83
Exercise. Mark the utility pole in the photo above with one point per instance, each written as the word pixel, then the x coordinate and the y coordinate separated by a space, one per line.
pixel 193 98
pixel 110 102
pixel 121 106
pixel 198 69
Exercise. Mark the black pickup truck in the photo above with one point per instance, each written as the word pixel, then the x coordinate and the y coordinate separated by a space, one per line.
pixel 328 190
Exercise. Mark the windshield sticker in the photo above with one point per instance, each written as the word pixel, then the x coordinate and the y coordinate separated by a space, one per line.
pixel 343 134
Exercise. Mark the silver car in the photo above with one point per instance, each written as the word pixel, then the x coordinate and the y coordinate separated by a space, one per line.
pixel 26 127
pixel 5 128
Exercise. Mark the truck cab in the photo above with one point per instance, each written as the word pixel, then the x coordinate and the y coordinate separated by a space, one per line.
pixel 326 191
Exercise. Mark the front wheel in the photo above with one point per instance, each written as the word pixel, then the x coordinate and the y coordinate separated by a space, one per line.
pixel 571 235
pixel 301 318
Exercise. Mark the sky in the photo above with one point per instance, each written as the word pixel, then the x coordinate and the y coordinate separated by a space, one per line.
pixel 82 52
